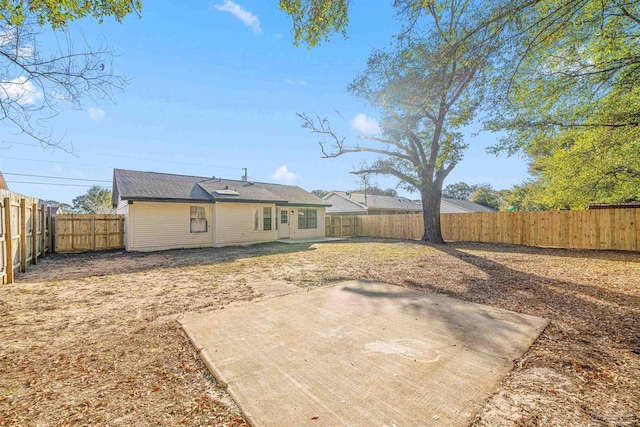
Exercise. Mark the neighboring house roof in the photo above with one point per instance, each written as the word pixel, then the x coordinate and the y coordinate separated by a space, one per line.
pixel 149 186
pixel 343 205
pixel 622 205
pixel 467 205
pixel 355 202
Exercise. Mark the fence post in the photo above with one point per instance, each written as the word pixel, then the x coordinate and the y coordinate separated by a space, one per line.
pixel 50 235
pixel 34 233
pixel 43 235
pixel 93 234
pixel 340 225
pixel 8 234
pixel 23 235
pixel 122 231
pixel 54 241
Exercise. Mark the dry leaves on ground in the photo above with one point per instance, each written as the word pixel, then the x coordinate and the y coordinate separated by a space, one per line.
pixel 93 338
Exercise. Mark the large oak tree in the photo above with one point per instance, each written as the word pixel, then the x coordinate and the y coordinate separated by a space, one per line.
pixel 426 90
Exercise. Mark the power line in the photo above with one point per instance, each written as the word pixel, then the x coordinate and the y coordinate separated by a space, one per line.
pixel 123 156
pixel 56 162
pixel 54 183
pixel 54 177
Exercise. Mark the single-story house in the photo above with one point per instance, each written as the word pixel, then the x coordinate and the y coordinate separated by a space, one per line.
pixel 346 203
pixel 167 211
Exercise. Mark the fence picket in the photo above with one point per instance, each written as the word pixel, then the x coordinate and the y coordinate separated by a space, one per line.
pixel 617 229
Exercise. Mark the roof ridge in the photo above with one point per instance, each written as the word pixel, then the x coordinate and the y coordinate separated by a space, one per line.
pixel 206 177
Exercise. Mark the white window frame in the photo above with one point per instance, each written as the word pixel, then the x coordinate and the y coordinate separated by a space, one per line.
pixel 198 217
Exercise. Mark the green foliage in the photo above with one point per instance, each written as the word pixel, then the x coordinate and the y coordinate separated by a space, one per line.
pixel 485 195
pixel 377 191
pixel 459 190
pixel 523 197
pixel 319 193
pixel 567 97
pixel 579 165
pixel 95 200
pixel 314 21
pixel 59 13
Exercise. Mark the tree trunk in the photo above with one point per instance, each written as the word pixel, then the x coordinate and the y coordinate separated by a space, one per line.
pixel 431 198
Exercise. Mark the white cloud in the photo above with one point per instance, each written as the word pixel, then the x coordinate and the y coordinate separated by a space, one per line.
pixel 244 15
pixel 283 174
pixel 96 114
pixel 20 90
pixel 295 82
pixel 25 52
pixel 365 125
pixel 11 45
pixel 7 37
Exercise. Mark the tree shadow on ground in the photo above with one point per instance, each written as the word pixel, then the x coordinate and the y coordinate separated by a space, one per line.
pixel 587 254
pixel 600 312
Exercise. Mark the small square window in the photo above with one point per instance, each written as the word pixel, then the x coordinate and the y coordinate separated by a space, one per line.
pixel 198 219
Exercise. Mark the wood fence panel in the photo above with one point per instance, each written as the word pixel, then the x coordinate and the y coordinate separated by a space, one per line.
pixel 617 229
pixel 88 232
pixel 18 233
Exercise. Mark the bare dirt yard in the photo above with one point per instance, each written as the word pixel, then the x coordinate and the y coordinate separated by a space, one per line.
pixel 93 339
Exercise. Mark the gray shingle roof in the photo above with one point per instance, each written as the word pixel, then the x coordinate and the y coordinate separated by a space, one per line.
pixel 137 185
pixel 467 205
pixel 381 202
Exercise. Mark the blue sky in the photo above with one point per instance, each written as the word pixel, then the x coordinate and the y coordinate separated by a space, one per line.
pixel 214 87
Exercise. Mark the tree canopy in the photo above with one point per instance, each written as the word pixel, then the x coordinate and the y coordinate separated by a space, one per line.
pixel 59 13
pixel 426 89
pixel 96 200
pixel 316 21
pixel 564 87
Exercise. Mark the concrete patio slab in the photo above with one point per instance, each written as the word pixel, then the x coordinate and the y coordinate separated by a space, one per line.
pixel 274 288
pixel 361 354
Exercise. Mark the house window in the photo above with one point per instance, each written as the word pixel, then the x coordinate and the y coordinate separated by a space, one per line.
pixel 284 216
pixel 198 219
pixel 266 219
pixel 307 218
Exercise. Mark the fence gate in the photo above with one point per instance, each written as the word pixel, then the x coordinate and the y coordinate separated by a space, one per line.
pixel 88 232
pixel 341 225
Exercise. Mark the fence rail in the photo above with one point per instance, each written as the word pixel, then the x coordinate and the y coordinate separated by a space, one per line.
pixel 617 229
pixel 88 232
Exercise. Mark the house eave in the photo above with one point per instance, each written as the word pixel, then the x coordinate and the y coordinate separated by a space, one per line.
pixel 304 205
pixel 164 199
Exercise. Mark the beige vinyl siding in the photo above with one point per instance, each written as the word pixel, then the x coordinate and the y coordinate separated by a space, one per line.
pixel 306 233
pixel 166 225
pixel 234 224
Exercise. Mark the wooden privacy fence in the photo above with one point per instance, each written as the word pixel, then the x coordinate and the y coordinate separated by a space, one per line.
pixel 88 232
pixel 341 225
pixel 617 229
pixel 25 233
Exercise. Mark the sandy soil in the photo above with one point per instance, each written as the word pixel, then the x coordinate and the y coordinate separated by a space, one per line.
pixel 93 338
